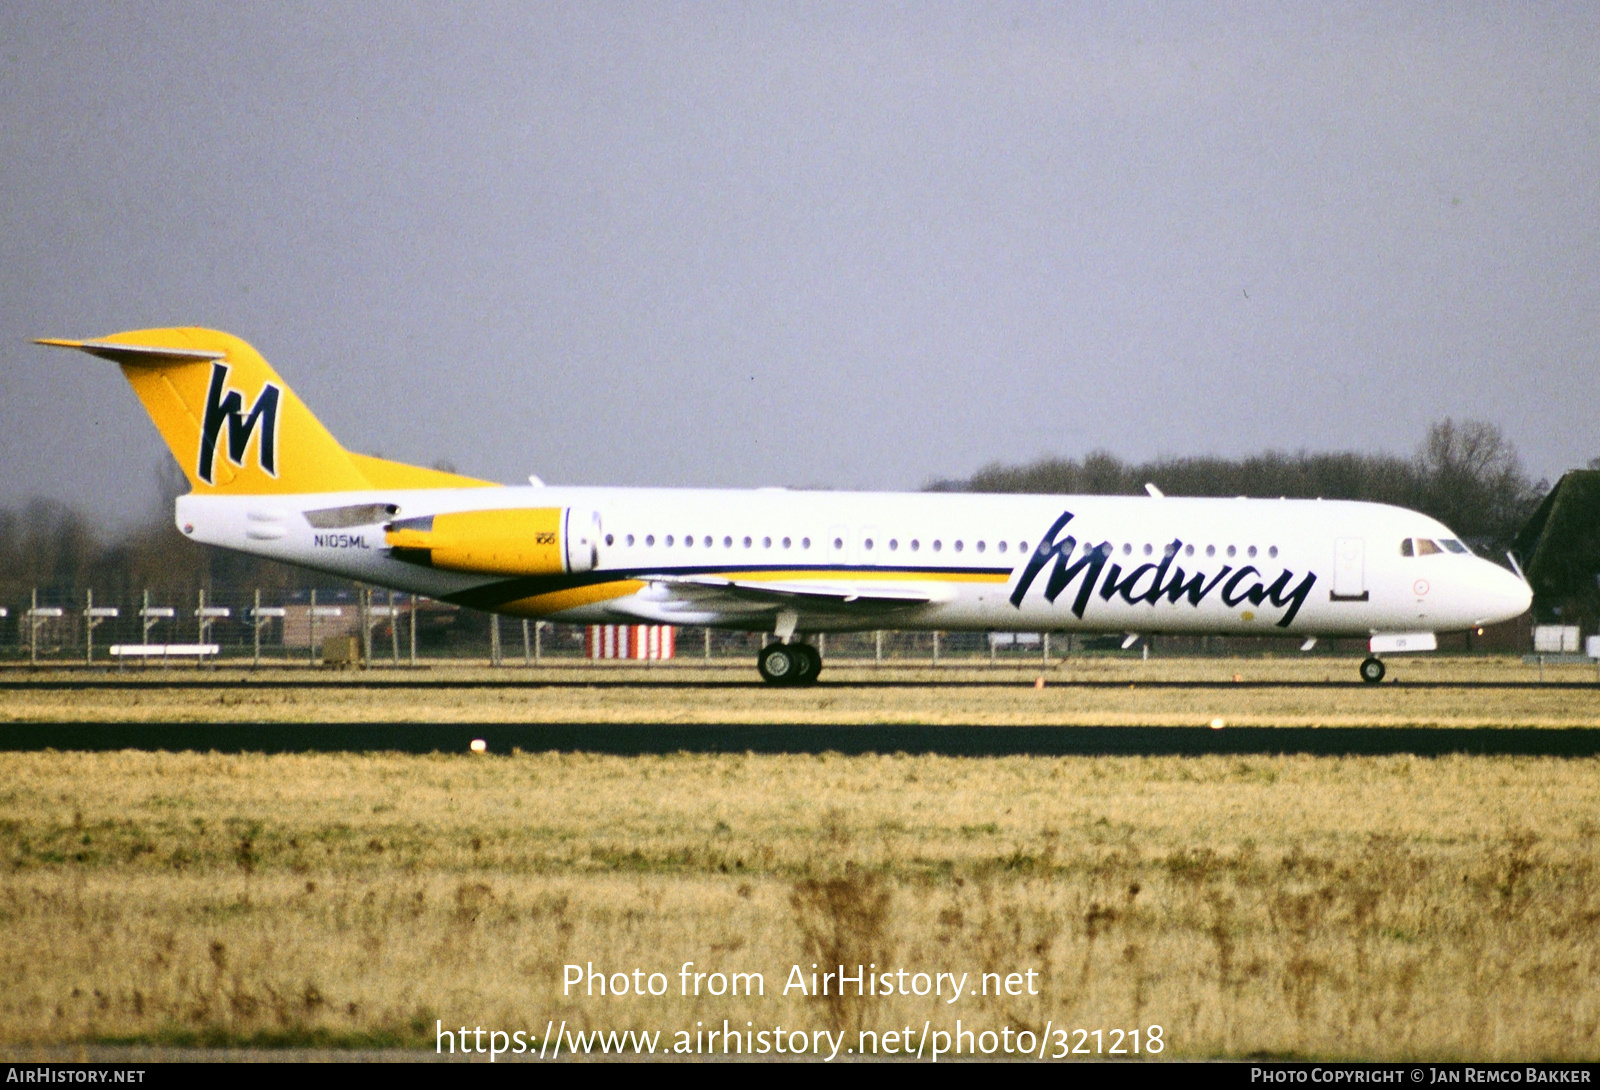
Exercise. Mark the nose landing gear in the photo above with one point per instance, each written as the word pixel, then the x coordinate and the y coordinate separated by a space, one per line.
pixel 789 663
pixel 1372 670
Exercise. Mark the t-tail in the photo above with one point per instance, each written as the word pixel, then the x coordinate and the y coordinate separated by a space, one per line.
pixel 234 426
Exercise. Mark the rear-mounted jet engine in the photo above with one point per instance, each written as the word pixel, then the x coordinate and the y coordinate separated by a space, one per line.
pixel 518 541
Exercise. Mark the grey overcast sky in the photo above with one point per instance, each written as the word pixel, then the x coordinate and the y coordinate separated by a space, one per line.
pixel 854 245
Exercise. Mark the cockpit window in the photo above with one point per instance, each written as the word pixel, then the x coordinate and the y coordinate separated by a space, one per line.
pixel 1421 546
pixel 1453 545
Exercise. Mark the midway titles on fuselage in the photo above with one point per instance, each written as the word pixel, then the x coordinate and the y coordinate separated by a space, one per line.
pixel 1165 578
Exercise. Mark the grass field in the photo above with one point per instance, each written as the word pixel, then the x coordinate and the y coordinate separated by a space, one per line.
pixel 1330 907
pixel 1362 907
pixel 1084 691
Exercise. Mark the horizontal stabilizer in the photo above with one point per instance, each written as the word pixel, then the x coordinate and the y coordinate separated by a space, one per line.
pixel 134 355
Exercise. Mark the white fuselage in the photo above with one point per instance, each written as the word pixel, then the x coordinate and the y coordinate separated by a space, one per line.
pixel 996 562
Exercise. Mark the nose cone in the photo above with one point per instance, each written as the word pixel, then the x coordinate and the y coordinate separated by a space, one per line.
pixel 1504 594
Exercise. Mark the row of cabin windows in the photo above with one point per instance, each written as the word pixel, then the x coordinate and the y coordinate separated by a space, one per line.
pixel 1421 546
pixel 915 545
pixel 1210 551
pixel 867 544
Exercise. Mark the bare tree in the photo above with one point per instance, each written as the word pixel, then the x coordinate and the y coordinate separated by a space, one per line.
pixel 1465 474
pixel 1472 480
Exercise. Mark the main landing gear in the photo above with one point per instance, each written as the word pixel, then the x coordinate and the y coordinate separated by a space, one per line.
pixel 789 663
pixel 1372 669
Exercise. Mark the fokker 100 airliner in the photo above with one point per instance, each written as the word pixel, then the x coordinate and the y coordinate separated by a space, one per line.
pixel 267 478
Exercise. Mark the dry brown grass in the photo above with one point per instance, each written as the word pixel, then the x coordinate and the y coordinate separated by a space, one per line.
pixel 1062 702
pixel 1374 907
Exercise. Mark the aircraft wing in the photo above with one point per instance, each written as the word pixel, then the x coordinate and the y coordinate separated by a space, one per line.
pixel 709 599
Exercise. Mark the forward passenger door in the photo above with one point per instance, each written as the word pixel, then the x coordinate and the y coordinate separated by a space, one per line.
pixel 1349 570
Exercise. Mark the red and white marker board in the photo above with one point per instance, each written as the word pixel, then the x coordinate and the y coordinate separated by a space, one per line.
pixel 629 641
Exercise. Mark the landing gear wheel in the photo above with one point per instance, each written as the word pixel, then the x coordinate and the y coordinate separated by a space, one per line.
pixel 1372 670
pixel 810 660
pixel 779 665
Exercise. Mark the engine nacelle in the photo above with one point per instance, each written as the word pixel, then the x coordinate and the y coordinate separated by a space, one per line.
pixel 513 541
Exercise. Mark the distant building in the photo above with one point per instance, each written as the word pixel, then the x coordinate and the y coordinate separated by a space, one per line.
pixel 1559 550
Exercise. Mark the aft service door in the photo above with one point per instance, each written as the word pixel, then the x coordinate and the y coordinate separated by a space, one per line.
pixel 1349 570
pixel 583 539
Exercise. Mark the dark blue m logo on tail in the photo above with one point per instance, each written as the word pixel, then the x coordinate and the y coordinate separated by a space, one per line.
pixel 225 411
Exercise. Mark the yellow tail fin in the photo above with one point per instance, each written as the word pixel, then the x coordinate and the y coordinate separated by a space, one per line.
pixel 236 427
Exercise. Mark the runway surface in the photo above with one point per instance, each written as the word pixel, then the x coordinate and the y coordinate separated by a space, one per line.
pixel 634 739
pixel 314 684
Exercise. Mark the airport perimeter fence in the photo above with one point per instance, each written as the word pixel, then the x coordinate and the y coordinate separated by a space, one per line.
pixel 324 626
pixel 379 628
